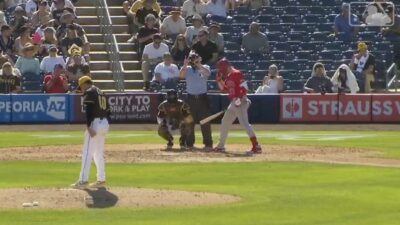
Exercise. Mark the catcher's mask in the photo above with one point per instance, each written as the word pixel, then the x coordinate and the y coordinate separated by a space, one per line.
pixel 172 96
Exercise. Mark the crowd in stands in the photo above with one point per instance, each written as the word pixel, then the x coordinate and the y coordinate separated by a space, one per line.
pixel 195 26
pixel 42 47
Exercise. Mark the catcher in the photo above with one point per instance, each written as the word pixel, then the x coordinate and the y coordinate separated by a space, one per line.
pixel 174 114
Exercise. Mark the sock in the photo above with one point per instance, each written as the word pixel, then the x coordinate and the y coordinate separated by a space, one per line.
pixel 254 141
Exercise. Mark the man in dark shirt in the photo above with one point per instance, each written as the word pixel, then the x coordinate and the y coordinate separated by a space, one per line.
pixel 145 35
pixel 143 12
pixel 97 125
pixel 318 82
pixel 18 21
pixel 6 41
pixel 9 82
pixel 207 49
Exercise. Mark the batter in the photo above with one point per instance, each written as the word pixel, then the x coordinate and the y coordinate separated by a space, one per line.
pixel 232 81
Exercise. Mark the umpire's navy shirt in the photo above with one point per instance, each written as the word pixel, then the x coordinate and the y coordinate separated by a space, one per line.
pixel 196 84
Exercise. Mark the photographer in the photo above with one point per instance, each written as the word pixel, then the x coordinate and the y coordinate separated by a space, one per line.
pixel 318 82
pixel 56 82
pixel 196 76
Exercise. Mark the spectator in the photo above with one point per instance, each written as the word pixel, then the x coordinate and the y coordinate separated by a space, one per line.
pixel 76 64
pixel 62 4
pixel 27 63
pixel 152 55
pixel 19 21
pixel 145 35
pixel 207 49
pixel 3 20
pixel 22 40
pixel 166 73
pixel 173 25
pixel 70 39
pixel 31 7
pixel 131 14
pixel 56 82
pixel 57 11
pixel 192 31
pixel 126 5
pixel 196 75
pixel 272 83
pixel 192 8
pixel 7 41
pixel 344 80
pixel 141 14
pixel 318 82
pixel 67 19
pixel 216 10
pixel 254 40
pixel 216 37
pixel 256 4
pixel 344 24
pixel 180 50
pixel 48 62
pixel 363 63
pixel 41 16
pixel 9 81
pixel 392 34
pixel 49 39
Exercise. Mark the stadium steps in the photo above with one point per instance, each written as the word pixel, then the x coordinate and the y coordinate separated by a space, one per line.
pixel 130 62
pixel 100 66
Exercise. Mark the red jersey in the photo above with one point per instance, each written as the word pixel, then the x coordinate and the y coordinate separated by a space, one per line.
pixel 58 85
pixel 233 84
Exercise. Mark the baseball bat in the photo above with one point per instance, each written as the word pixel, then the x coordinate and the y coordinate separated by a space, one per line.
pixel 208 119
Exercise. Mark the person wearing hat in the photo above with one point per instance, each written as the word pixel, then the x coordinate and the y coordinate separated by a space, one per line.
pixel 56 82
pixel 145 34
pixel 173 25
pixel 76 64
pixel 98 113
pixel 363 63
pixel 191 8
pixel 344 24
pixel 58 4
pixel 192 31
pixel 6 40
pixel 49 38
pixel 48 62
pixel 18 21
pixel 9 81
pixel 216 37
pixel 196 75
pixel 27 63
pixel 42 15
pixel 152 55
pixel 141 14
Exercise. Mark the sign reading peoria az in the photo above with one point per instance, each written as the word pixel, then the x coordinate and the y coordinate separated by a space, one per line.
pixel 350 108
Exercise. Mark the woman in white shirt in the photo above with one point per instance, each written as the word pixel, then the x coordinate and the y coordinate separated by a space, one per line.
pixel 273 82
pixel 48 62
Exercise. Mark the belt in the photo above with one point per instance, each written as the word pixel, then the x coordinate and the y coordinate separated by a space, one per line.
pixel 197 96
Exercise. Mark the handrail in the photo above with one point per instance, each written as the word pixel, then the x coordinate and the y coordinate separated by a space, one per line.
pixel 392 68
pixel 111 43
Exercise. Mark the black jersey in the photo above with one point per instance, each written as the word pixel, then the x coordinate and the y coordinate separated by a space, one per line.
pixel 96 104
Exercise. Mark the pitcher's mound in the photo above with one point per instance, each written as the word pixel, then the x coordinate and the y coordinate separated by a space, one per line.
pixel 104 198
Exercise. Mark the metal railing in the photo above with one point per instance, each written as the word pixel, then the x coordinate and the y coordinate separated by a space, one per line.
pixel 392 71
pixel 111 43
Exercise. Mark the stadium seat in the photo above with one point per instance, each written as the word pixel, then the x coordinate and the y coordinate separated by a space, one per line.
pixel 267 11
pixel 32 86
pixel 289 19
pixel 281 46
pixel 281 3
pixel 317 10
pixel 266 19
pixel 328 55
pixel 259 74
pixel 242 19
pixel 289 65
pixel 293 10
pixel 311 18
pixel 280 55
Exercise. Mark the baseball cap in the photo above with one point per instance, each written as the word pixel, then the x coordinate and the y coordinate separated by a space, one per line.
pixel 52 47
pixel 83 80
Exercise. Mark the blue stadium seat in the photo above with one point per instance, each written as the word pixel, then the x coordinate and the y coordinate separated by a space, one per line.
pixel 232 46
pixel 315 10
pixel 319 36
pixel 289 74
pixel 266 19
pixel 32 86
pixel 267 11
pixel 212 85
pixel 290 65
pixel 280 55
pixel 293 10
pixel 275 36
pixel 234 55
pixel 281 46
pixel 329 2
pixel 281 2
pixel 324 27
pixel 367 36
pixel 32 77
pixel 242 10
pixel 241 19
pixel 311 18
pixel 348 54
pixel 298 36
pixel 309 46
pixel 259 74
pixel 290 19
pixel 303 54
pixel 277 28
pixel 328 55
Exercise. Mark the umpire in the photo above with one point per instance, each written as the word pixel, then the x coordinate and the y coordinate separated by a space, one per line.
pixel 196 76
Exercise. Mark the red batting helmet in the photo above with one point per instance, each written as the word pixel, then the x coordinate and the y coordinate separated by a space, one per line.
pixel 223 66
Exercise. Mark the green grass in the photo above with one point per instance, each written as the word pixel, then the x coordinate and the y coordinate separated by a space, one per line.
pixel 387 142
pixel 273 193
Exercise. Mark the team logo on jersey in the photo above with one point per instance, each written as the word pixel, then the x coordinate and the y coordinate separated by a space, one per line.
pixel 292 108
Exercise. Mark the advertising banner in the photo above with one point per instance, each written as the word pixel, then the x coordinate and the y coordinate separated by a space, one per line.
pixel 354 108
pixel 5 108
pixel 385 108
pixel 39 108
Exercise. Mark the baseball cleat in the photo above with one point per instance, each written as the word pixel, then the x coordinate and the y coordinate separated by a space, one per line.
pixel 208 149
pixel 80 185
pixel 219 150
pixel 97 184
pixel 255 150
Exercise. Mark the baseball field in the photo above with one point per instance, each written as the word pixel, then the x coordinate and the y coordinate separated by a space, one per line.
pixel 307 174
